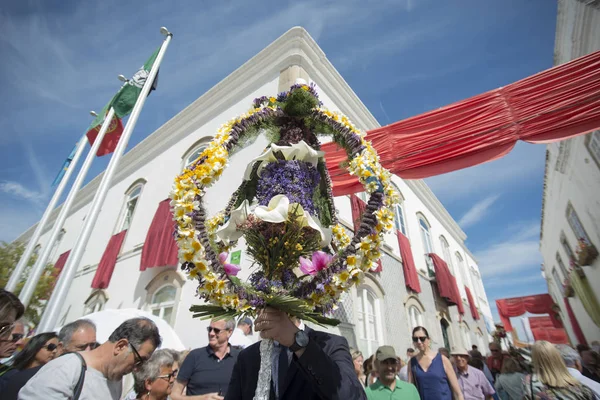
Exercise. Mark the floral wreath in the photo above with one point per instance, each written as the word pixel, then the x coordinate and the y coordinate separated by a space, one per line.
pixel 292 233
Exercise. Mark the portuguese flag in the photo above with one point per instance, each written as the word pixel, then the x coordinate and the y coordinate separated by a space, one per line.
pixel 123 103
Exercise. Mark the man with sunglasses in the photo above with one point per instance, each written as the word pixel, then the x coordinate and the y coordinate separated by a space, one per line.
pixel 126 350
pixel 205 372
pixel 78 335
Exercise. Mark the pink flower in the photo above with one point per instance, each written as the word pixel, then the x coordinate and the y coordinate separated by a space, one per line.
pixel 230 269
pixel 320 261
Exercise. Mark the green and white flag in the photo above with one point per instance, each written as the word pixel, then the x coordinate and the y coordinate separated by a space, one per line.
pixel 125 99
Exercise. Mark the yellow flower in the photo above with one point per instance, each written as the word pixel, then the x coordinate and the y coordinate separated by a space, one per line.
pixel 299 247
pixel 351 260
pixel 304 87
pixel 272 99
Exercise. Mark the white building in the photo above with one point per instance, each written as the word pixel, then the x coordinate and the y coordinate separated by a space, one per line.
pixel 571 202
pixel 382 311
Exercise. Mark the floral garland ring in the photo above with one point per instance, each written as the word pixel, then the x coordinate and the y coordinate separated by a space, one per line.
pixel 294 114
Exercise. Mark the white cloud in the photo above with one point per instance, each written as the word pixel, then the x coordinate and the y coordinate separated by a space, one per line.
pixel 477 212
pixel 18 190
pixel 519 252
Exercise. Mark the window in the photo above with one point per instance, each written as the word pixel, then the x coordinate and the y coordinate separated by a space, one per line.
pixel 480 342
pixel 131 200
pixel 558 282
pixel 163 293
pixel 399 219
pixel 163 303
pixel 415 317
pixel 576 224
pixel 446 254
pixel 462 270
pixel 426 238
pixel 444 325
pixel 567 247
pixel 593 144
pixel 466 336
pixel 36 250
pixel 561 265
pixel 194 153
pixel 369 328
pixel 95 302
pixel 59 239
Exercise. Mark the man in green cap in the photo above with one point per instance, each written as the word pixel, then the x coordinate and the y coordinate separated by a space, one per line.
pixel 389 387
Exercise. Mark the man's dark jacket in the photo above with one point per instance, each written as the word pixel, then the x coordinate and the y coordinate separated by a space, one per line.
pixel 325 371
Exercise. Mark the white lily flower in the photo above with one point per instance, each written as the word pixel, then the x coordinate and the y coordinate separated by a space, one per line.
pixel 228 232
pixel 277 210
pixel 300 151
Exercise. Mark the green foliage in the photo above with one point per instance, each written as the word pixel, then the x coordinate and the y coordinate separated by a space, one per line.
pixel 10 253
pixel 300 103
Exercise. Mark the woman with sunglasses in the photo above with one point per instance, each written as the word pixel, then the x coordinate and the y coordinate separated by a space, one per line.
pixel 154 381
pixel 431 372
pixel 11 309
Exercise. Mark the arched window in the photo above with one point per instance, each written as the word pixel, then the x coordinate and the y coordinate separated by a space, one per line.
pixel 415 317
pixel 576 224
pixel 462 270
pixel 561 265
pixel 426 239
pixel 369 325
pixel 163 302
pixel 446 254
pixel 445 326
pixel 95 302
pixel 466 336
pixel 194 152
pixel 56 245
pixel 131 199
pixel 163 294
pixel 399 217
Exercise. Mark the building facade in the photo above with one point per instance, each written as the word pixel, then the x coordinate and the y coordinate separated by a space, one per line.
pixel 571 201
pixel 381 311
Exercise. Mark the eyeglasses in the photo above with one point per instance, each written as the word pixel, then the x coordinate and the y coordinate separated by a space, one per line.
pixel 51 346
pixel 14 338
pixel 6 328
pixel 216 330
pixel 421 339
pixel 91 345
pixel 139 361
pixel 172 375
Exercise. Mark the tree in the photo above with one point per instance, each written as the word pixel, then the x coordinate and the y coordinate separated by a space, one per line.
pixel 10 253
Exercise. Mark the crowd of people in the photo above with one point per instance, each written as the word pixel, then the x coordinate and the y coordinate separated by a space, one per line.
pixel 306 364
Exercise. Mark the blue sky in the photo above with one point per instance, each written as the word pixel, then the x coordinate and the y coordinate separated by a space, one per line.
pixel 60 59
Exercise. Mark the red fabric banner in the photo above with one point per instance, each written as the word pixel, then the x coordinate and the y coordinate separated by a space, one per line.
pixel 108 261
pixel 517 306
pixel 160 247
pixel 60 263
pixel 556 104
pixel 411 277
pixel 472 306
pixel 358 208
pixel 574 323
pixel 446 283
pixel 552 335
pixel 540 322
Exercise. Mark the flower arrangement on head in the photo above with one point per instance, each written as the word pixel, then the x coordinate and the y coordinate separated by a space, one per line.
pixel 303 260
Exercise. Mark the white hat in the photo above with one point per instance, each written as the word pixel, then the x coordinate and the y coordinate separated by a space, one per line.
pixel 459 351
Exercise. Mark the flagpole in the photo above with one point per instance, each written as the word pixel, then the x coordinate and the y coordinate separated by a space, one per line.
pixel 40 265
pixel 15 278
pixel 51 314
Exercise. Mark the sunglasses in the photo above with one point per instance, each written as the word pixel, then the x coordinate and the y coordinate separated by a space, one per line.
pixel 172 375
pixel 6 328
pixel 50 347
pixel 139 361
pixel 421 339
pixel 91 345
pixel 14 339
pixel 216 330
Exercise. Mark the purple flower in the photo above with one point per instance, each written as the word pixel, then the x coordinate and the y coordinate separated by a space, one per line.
pixel 319 262
pixel 230 269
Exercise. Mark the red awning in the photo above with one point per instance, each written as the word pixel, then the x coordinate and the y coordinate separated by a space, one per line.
pixel 446 283
pixel 517 306
pixel 411 277
pixel 552 335
pixel 108 261
pixel 358 208
pixel 540 322
pixel 472 306
pixel 160 247
pixel 556 104
pixel 574 323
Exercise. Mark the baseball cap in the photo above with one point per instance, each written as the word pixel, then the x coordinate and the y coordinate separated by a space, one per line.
pixel 385 353
pixel 246 321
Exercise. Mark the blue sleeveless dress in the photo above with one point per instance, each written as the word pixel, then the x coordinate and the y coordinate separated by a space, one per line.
pixel 433 384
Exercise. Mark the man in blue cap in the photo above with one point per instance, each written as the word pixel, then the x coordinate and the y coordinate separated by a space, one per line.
pixel 242 335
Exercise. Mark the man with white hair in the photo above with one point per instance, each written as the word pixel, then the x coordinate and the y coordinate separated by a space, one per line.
pixel 572 360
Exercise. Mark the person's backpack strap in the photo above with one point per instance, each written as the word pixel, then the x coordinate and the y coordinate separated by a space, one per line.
pixel 79 385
